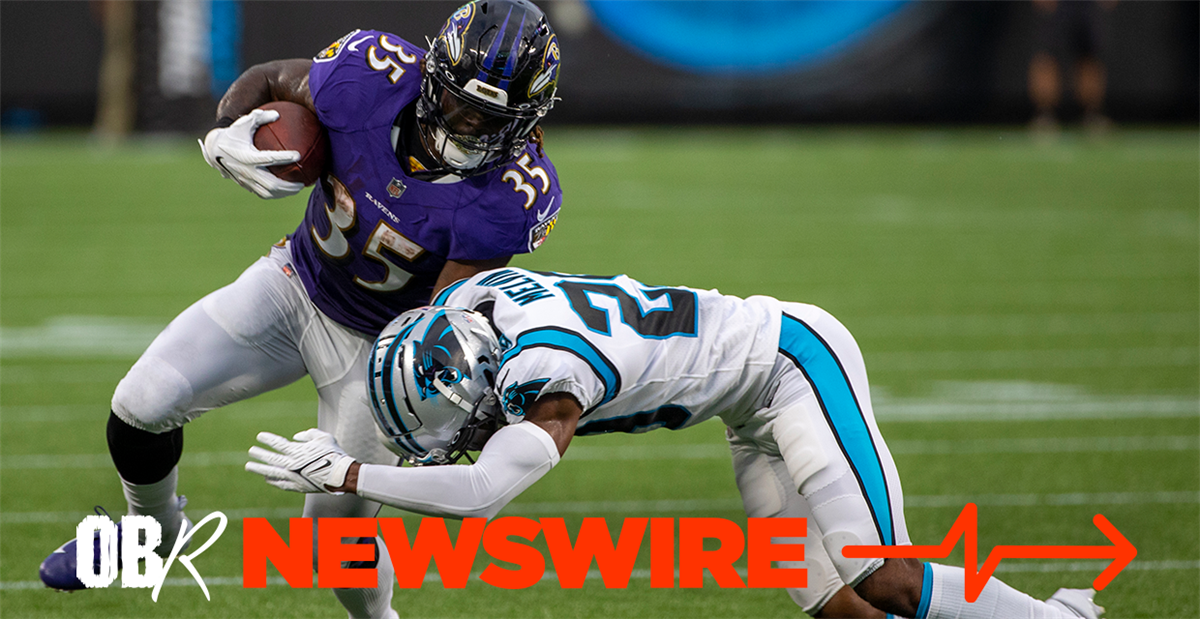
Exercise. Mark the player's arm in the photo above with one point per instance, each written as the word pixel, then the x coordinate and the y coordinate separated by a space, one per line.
pixel 462 269
pixel 513 459
pixel 558 414
pixel 278 80
pixel 229 146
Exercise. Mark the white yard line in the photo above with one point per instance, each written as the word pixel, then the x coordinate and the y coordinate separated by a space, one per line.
pixel 1045 445
pixel 1051 500
pixel 1094 407
pixel 701 451
pixel 79 336
pixel 710 451
pixel 673 506
pixel 1036 408
pixel 108 337
pixel 75 413
pixel 974 325
pixel 1064 358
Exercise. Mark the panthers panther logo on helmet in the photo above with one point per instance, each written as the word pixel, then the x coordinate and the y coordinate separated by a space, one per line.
pixel 438 359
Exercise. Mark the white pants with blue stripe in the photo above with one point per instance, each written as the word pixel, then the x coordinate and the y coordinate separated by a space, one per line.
pixel 814 451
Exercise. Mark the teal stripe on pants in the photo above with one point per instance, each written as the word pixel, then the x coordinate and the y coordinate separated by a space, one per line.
pixel 821 367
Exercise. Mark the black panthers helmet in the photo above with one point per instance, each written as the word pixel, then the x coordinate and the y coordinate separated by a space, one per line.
pixel 489 77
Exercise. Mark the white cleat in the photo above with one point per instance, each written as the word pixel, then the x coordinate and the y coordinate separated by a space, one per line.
pixel 1077 602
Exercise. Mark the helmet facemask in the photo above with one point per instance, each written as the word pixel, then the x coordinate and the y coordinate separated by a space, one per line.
pixel 489 76
pixel 479 427
pixel 466 136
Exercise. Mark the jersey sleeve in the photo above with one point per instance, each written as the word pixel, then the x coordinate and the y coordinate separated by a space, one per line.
pixel 511 461
pixel 516 213
pixel 541 370
pixel 353 80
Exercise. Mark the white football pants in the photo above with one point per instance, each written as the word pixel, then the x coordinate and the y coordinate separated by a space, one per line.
pixel 257 334
pixel 814 451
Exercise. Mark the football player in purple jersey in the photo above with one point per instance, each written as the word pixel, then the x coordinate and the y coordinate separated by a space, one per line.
pixel 436 172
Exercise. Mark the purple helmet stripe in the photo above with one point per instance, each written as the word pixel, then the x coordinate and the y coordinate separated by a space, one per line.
pixel 511 66
pixel 490 59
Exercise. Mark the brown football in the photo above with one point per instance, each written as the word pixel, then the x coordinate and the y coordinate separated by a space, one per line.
pixel 297 129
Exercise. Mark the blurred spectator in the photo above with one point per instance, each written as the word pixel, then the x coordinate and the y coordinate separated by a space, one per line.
pixel 1072 31
pixel 115 107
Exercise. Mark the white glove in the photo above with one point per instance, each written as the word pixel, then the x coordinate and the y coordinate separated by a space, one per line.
pixel 231 151
pixel 312 463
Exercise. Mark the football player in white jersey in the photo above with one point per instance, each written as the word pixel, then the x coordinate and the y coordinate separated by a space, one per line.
pixel 517 363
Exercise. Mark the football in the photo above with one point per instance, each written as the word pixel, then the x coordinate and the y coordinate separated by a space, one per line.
pixel 297 129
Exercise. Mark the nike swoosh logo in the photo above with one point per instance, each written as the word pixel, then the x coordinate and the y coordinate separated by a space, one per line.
pixel 227 173
pixel 541 215
pixel 354 46
pixel 321 467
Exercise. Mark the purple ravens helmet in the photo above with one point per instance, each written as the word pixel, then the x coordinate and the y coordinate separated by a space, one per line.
pixel 431 376
pixel 489 77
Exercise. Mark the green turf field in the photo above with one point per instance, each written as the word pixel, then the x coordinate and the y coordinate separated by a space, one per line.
pixel 1029 314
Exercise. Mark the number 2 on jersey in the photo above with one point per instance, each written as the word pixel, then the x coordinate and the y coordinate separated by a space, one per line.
pixel 677 319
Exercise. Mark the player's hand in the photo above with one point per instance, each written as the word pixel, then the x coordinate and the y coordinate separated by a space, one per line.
pixel 231 151
pixel 311 462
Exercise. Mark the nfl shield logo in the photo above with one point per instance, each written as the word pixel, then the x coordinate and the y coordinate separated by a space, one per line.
pixel 396 188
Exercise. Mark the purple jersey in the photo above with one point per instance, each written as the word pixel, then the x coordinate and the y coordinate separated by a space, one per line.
pixel 374 239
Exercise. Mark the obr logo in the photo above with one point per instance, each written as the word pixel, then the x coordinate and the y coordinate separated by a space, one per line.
pixel 141 535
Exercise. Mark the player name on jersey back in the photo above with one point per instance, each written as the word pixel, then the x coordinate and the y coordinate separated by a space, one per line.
pixel 623 348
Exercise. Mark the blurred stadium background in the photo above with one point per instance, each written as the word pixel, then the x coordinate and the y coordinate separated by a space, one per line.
pixel 884 61
pixel 1028 304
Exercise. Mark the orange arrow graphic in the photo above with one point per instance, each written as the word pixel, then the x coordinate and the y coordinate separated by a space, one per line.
pixel 967 526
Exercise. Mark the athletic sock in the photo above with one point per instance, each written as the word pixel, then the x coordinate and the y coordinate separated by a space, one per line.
pixel 373 603
pixel 997 601
pixel 158 500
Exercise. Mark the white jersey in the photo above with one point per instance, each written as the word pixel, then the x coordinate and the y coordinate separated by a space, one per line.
pixel 636 357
